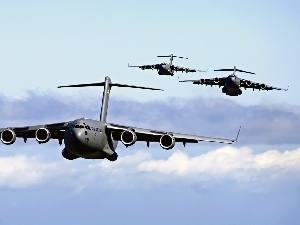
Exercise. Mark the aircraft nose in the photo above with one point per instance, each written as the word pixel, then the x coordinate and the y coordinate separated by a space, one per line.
pixel 78 133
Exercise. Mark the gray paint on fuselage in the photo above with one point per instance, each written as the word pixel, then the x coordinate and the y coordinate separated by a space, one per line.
pixel 88 139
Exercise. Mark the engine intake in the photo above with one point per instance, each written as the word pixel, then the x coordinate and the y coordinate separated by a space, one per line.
pixel 128 137
pixel 8 137
pixel 42 135
pixel 167 141
pixel 248 83
pixel 262 86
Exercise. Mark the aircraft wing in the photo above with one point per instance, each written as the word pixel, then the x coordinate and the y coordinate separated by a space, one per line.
pixel 143 67
pixel 184 69
pixel 148 135
pixel 212 81
pixel 259 86
pixel 56 131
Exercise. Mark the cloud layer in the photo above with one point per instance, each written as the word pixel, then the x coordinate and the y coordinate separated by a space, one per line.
pixel 141 168
pixel 261 124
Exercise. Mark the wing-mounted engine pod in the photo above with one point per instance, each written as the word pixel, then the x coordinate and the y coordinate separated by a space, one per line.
pixel 8 137
pixel 202 81
pixel 216 80
pixel 262 86
pixel 42 135
pixel 248 83
pixel 167 141
pixel 128 137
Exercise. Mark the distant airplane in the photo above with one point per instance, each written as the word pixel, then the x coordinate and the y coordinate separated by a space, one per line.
pixel 168 68
pixel 97 139
pixel 232 84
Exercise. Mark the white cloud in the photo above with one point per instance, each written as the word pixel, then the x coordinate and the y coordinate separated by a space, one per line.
pixel 238 163
pixel 141 169
pixel 22 171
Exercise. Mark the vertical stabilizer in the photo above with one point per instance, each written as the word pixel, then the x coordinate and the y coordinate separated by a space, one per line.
pixel 105 98
pixel 107 87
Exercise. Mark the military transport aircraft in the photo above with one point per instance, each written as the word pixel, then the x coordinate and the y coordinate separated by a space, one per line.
pixel 232 84
pixel 168 68
pixel 97 139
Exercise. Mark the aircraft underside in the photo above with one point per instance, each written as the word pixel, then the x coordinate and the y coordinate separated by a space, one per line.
pixel 232 91
pixel 163 71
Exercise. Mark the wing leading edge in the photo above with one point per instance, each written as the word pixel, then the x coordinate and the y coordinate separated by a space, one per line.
pixel 148 135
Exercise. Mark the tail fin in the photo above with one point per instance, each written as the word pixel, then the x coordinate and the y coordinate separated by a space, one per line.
pixel 172 57
pixel 107 87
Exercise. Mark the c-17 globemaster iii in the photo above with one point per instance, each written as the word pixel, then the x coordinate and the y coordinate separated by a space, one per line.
pixel 168 68
pixel 97 139
pixel 232 84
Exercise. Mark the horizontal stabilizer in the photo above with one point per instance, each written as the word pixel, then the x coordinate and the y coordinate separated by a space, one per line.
pixel 234 70
pixel 133 86
pixel 110 84
pixel 83 85
pixel 173 56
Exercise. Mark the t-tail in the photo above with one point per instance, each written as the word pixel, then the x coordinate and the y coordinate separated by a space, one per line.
pixel 172 57
pixel 107 88
pixel 234 70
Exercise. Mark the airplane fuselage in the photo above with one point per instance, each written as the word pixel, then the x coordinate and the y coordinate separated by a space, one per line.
pixel 88 139
pixel 232 86
pixel 165 69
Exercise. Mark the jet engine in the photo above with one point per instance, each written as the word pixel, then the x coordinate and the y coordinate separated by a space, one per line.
pixel 262 86
pixel 202 81
pixel 187 70
pixel 248 83
pixel 128 137
pixel 42 135
pixel 167 141
pixel 8 137
pixel 216 80
pixel 152 67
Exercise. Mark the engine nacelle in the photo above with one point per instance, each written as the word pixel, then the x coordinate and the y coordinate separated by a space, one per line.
pixel 216 80
pixel 187 70
pixel 167 141
pixel 248 83
pixel 262 86
pixel 202 81
pixel 128 137
pixel 42 135
pixel 8 137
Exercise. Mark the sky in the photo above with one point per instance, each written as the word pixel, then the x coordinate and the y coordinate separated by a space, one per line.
pixel 44 44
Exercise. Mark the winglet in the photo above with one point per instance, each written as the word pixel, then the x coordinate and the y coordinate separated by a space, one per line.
pixel 287 88
pixel 237 136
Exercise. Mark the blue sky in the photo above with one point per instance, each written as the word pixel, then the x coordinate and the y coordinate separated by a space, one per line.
pixel 46 44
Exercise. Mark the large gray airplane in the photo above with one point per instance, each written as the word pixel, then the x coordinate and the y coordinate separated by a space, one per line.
pixel 97 139
pixel 232 84
pixel 168 68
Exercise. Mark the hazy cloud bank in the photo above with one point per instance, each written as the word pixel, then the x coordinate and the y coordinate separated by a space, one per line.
pixel 241 165
pixel 261 124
